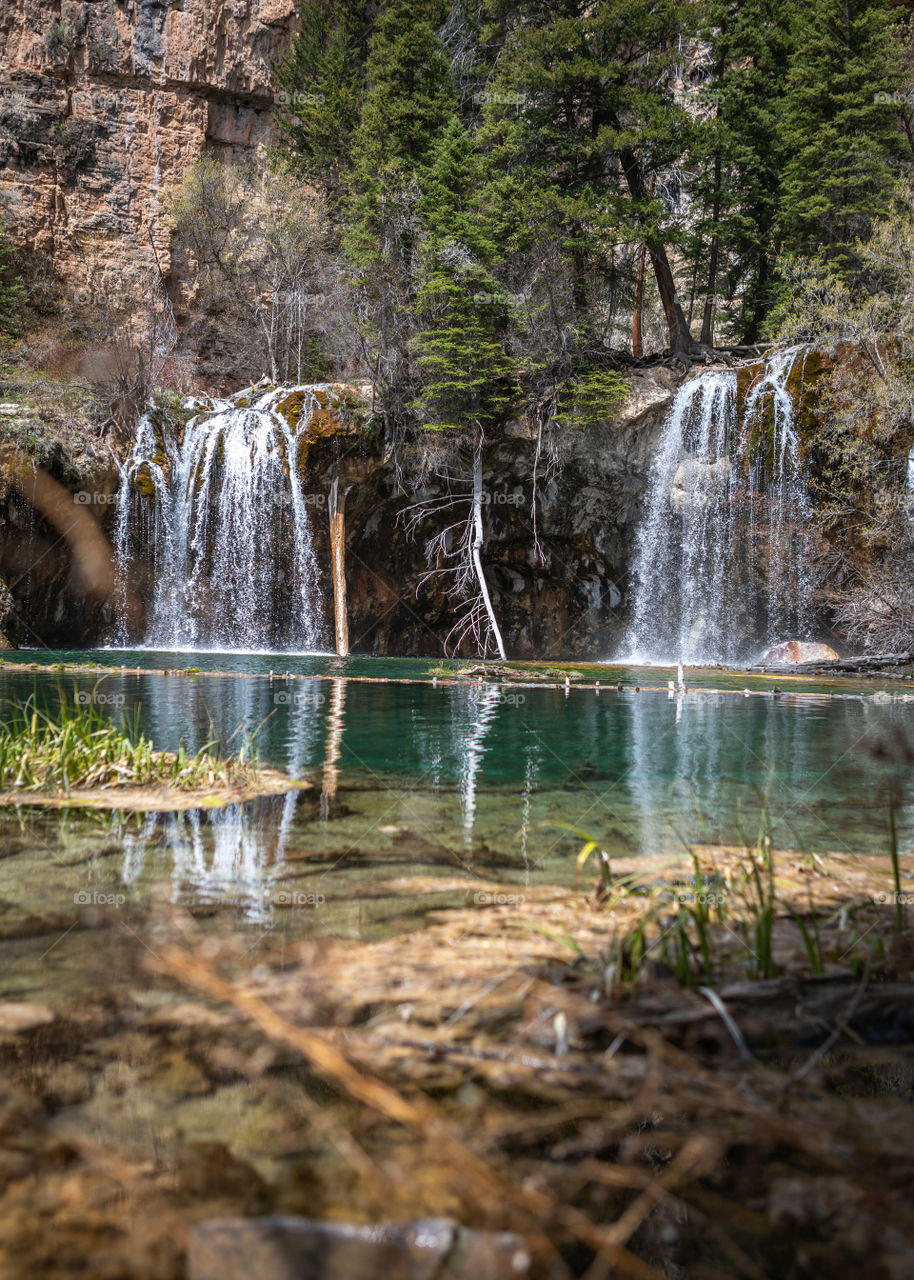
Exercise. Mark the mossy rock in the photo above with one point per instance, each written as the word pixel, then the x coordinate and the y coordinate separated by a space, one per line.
pixel 143 484
pixel 290 408
pixel 804 385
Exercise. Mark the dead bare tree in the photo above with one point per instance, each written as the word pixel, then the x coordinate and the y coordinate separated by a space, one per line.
pixel 455 551
pixel 258 243
pixel 878 612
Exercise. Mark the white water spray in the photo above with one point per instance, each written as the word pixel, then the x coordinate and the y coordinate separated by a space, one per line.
pixel 721 555
pixel 221 514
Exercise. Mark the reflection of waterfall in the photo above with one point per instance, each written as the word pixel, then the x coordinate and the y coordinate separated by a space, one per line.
pixel 705 767
pixel 221 513
pixel 235 854
pixel 720 558
pixel 679 747
pixel 485 702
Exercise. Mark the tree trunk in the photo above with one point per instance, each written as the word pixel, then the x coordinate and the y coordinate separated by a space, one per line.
pixel 707 324
pixel 637 341
pixel 750 334
pixel 338 569
pixel 477 548
pixel 637 316
pixel 682 344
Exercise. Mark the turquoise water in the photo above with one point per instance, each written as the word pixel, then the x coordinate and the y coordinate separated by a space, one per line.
pixel 422 796
pixel 474 779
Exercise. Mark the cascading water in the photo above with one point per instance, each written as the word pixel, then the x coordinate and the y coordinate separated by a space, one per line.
pixel 221 512
pixel 720 563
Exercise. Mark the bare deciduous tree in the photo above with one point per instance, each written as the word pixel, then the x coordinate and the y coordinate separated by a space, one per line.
pixel 258 241
pixel 134 352
pixel 455 552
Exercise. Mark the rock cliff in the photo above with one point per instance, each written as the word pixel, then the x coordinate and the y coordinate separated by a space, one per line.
pixel 570 601
pixel 104 104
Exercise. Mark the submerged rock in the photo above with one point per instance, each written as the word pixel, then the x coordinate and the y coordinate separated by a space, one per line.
pixel 793 651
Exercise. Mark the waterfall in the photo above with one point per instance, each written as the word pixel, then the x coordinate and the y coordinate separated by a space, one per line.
pixel 219 513
pixel 721 552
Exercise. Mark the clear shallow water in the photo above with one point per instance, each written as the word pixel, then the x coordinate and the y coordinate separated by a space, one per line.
pixel 469 781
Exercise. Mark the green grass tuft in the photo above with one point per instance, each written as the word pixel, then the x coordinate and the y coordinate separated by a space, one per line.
pixel 79 747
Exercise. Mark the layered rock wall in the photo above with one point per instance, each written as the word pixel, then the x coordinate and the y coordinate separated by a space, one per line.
pixel 104 104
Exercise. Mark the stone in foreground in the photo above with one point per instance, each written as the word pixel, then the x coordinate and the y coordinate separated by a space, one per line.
pixel 286 1248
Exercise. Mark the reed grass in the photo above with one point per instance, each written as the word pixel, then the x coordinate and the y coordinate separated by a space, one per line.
pixel 80 747
pixel 734 924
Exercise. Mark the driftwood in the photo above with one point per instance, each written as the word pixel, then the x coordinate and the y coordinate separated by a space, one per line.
pixel 841 666
pixel 785 1013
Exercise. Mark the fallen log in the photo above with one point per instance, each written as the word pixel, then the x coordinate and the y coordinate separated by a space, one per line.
pixel 781 1014
pixel 843 666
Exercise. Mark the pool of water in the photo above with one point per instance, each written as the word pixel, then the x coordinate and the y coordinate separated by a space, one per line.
pixel 463 781
pixel 423 794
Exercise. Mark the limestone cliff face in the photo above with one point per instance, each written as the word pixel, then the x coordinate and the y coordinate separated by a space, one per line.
pixel 570 600
pixel 103 104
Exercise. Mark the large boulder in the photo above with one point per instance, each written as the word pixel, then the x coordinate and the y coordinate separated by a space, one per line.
pixel 794 651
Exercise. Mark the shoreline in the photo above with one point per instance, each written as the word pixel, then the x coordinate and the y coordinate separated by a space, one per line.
pixel 839 685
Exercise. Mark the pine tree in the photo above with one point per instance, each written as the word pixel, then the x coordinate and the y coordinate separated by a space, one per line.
pixel 320 90
pixel 409 98
pixel 580 115
pixel 737 159
pixel 840 127
pixel 461 367
pixel 408 101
